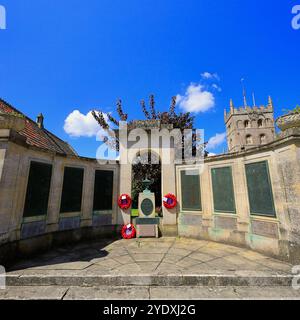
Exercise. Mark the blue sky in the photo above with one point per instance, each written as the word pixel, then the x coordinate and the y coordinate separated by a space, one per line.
pixel 61 56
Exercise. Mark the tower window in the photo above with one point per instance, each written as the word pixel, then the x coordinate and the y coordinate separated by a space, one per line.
pixel 260 123
pixel 247 124
pixel 263 139
pixel 249 139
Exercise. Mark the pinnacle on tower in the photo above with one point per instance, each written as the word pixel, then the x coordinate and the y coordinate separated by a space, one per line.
pixel 270 102
pixel 231 106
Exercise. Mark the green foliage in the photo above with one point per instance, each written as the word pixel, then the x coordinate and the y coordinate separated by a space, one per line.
pixel 295 110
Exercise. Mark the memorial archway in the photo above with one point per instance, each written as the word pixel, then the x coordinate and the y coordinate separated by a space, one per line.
pixel 146 165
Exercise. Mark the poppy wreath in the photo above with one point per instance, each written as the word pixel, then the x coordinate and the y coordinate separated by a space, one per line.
pixel 128 231
pixel 124 201
pixel 170 201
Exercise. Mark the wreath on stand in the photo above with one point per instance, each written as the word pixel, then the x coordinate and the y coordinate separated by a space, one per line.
pixel 124 201
pixel 128 231
pixel 170 201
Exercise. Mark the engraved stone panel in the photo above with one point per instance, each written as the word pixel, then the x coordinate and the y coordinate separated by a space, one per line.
pixel 146 231
pixel 226 223
pixel 265 229
pixel 69 223
pixel 33 229
pixel 190 191
pixel 190 220
pixel 102 220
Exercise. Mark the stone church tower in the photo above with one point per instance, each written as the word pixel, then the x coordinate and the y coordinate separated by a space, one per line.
pixel 249 127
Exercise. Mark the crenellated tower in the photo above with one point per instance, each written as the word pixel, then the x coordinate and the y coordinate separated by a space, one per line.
pixel 249 127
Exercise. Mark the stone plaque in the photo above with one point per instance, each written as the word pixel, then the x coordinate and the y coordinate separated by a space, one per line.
pixel 223 191
pixel 69 223
pixel 33 229
pixel 225 223
pixel 146 231
pixel 147 207
pixel 265 229
pixel 102 220
pixel 190 220
pixel 260 189
pixel 190 191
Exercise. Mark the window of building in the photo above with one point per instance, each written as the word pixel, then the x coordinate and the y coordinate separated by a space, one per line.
pixel 249 139
pixel 103 190
pixel 260 123
pixel 260 189
pixel 223 191
pixel 247 124
pixel 72 190
pixel 263 139
pixel 38 189
pixel 190 191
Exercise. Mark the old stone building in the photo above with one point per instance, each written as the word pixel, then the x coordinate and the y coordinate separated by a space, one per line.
pixel 249 127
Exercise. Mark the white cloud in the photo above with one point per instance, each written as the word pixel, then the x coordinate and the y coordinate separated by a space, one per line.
pixel 218 88
pixel 196 99
pixel 208 75
pixel 211 154
pixel 80 125
pixel 216 141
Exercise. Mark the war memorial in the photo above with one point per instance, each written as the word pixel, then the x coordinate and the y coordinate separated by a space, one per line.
pixel 219 219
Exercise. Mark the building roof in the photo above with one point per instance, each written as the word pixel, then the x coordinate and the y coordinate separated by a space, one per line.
pixel 39 137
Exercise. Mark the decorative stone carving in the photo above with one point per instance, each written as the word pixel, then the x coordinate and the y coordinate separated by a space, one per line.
pixel 291 120
pixel 14 122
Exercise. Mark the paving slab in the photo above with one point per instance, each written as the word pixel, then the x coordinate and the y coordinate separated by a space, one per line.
pixel 160 262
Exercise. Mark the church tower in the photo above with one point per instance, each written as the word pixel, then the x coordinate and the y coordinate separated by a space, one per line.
pixel 249 127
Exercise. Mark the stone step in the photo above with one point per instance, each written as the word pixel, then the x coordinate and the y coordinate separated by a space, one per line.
pixel 148 293
pixel 205 280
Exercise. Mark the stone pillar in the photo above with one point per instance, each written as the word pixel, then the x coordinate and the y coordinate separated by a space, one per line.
pixel 285 176
pixel 241 199
pixel 124 216
pixel 168 175
pixel 55 195
pixel 207 201
pixel 88 196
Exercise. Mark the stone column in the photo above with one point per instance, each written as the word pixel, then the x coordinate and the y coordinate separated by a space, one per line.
pixel 88 196
pixel 207 200
pixel 241 199
pixel 168 175
pixel 124 216
pixel 55 195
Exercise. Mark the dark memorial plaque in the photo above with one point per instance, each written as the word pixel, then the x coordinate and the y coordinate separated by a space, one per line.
pixel 260 189
pixel 190 191
pixel 147 207
pixel 223 191
pixel 72 190
pixel 103 190
pixel 38 189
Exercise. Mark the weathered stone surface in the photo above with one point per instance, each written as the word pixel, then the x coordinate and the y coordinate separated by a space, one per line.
pixel 33 293
pixel 201 263
pixel 108 293
pixel 30 230
pixel 266 229
pixel 225 223
pixel 190 219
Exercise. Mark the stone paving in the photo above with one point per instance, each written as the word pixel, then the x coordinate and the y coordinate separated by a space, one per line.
pixel 153 266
